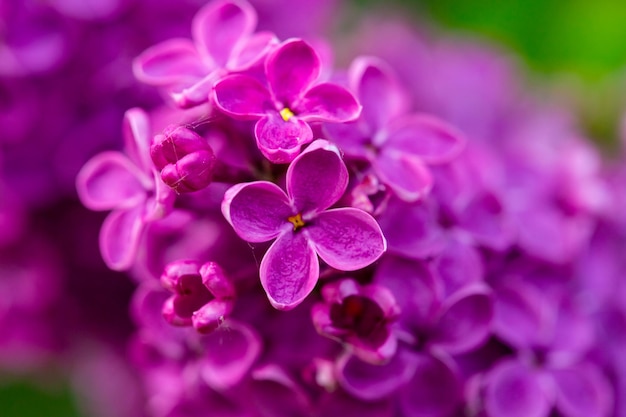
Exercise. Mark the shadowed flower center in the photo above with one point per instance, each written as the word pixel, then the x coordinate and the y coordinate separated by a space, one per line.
pixel 362 316
pixel 286 114
pixel 296 221
pixel 191 295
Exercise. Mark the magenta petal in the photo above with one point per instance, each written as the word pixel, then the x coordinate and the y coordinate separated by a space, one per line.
pixel 519 314
pixel 171 62
pixel 434 390
pixel 465 322
pixel 382 97
pixel 110 180
pixel 415 288
pixel 427 137
pixel 372 382
pixel 242 96
pixel 513 390
pixel 317 178
pixel 485 218
pixel 119 237
pixel 328 103
pixel 582 391
pixel 412 229
pixel 219 26
pixel 291 69
pixel 276 394
pixel 289 270
pixel 232 350
pixel 258 211
pixel 252 51
pixel 347 238
pixel 280 140
pixel 212 315
pixel 137 138
pixel 189 95
pixel 405 174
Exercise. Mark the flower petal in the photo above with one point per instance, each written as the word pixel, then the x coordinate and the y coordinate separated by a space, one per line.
pixel 465 321
pixel 412 229
pixel 258 211
pixel 520 313
pixel 328 103
pixel 379 92
pixel 252 51
pixel 372 382
pixel 175 61
pixel 280 140
pixel 582 391
pixel 232 348
pixel 291 69
pixel 352 138
pixel 513 390
pixel 119 237
pixel 417 291
pixel 405 174
pixel 347 238
pixel 219 26
pixel 427 137
pixel 486 219
pixel 434 390
pixel 289 270
pixel 275 393
pixel 242 96
pixel 317 178
pixel 110 180
pixel 137 138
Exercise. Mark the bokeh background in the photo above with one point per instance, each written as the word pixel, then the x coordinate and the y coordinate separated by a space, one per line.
pixel 571 51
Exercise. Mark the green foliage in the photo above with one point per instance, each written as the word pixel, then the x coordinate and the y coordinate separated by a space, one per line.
pixel 21 398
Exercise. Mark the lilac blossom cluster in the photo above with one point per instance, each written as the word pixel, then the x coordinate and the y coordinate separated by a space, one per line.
pixel 410 236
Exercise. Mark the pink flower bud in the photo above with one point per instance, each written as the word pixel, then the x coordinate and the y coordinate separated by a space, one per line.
pixel 185 159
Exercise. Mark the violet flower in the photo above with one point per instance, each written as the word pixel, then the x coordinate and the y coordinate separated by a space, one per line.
pixel 397 145
pixel 359 316
pixel 127 184
pixel 289 103
pixel 203 295
pixel 223 41
pixel 345 238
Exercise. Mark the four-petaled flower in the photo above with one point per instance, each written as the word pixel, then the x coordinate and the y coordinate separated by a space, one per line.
pixel 203 295
pixel 128 184
pixel 289 101
pixel 360 316
pixel 345 238
pixel 223 41
pixel 397 145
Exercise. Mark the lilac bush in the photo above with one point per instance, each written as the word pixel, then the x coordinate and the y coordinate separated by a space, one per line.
pixel 412 235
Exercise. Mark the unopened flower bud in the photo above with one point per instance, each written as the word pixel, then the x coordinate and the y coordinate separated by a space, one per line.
pixel 185 159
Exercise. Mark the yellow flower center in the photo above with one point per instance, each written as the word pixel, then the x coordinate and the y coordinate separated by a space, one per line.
pixel 286 114
pixel 296 221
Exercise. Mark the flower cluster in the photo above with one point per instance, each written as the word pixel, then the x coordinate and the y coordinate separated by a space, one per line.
pixel 410 236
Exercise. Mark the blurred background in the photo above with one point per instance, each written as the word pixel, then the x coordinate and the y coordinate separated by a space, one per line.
pixel 571 51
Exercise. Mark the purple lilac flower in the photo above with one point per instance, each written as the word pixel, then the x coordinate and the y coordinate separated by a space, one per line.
pixel 345 238
pixel 223 41
pixel 128 184
pixel 397 145
pixel 290 101
pixel 359 316
pixel 203 295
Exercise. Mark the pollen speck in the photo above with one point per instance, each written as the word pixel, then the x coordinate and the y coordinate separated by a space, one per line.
pixel 286 114
pixel 296 221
